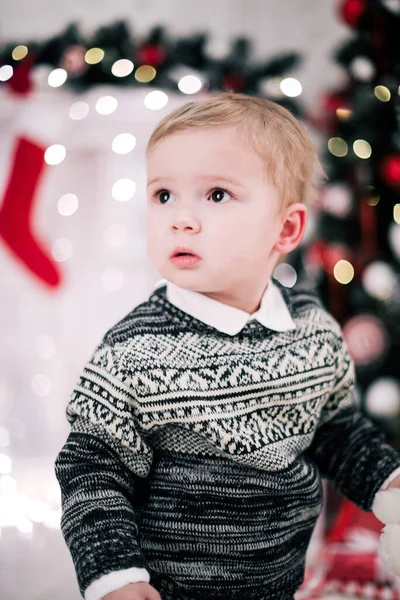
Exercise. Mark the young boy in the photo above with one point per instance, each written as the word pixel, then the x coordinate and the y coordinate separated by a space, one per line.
pixel 205 419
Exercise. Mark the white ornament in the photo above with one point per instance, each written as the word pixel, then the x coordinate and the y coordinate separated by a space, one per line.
pixel 383 398
pixel 392 5
pixel 386 508
pixel 379 280
pixel 362 68
pixel 337 199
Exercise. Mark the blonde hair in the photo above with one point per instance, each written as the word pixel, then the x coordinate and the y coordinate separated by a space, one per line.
pixel 271 130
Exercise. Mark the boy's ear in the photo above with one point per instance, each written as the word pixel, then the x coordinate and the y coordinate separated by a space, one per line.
pixel 294 221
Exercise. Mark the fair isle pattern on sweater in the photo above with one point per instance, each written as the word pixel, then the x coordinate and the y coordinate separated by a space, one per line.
pixel 196 455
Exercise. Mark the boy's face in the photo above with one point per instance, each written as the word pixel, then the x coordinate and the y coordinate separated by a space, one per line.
pixel 209 192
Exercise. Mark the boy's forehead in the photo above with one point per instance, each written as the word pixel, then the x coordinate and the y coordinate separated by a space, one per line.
pixel 211 146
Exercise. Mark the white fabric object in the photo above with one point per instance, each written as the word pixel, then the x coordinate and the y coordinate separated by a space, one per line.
pixel 115 580
pixel 386 508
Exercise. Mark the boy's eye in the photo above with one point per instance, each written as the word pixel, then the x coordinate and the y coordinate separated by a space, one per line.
pixel 163 196
pixel 219 195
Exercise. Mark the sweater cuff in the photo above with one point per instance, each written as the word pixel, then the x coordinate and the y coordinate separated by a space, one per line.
pixel 389 479
pixel 115 580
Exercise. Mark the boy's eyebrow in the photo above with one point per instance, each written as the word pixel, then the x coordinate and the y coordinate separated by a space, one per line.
pixel 210 177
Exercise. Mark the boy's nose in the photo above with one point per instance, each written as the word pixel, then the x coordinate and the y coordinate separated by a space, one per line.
pixel 186 222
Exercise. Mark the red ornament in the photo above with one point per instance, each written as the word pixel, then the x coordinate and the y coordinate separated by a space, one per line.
pixel 151 54
pixel 234 82
pixel 390 169
pixel 351 11
pixel 366 338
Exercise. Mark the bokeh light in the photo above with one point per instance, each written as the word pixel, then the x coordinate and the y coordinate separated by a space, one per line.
pixel 68 205
pixel 382 93
pixel 6 72
pixel 124 143
pixel 79 110
pixel 123 190
pixel 106 105
pixel 94 56
pixel 291 87
pixel 145 73
pixel 19 52
pixel 57 77
pixel 190 84
pixel 156 100
pixel 343 271
pixel 55 154
pixel 362 149
pixel 122 67
pixel 337 146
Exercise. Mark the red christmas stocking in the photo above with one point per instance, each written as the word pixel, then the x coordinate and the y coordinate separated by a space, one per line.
pixel 17 209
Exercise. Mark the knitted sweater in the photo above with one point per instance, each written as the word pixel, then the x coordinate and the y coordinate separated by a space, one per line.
pixel 197 456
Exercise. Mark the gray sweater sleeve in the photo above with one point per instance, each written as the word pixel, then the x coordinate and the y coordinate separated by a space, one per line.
pixel 99 470
pixel 347 448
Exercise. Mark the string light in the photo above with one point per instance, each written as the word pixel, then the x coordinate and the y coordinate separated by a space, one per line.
pixel 122 67
pixel 94 56
pixel 291 87
pixel 362 149
pixel 382 93
pixel 337 146
pixel 145 73
pixel 6 72
pixel 19 52
pixel 344 114
pixel 124 143
pixel 106 105
pixel 68 205
pixel 123 190
pixel 396 213
pixel 57 77
pixel 190 84
pixel 55 154
pixel 343 272
pixel 156 100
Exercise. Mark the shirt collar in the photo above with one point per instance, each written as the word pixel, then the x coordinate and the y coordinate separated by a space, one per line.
pixel 273 312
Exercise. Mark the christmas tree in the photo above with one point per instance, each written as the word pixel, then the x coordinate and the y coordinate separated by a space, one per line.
pixel 353 258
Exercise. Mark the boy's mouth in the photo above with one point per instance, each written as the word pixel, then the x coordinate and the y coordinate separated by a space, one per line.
pixel 183 252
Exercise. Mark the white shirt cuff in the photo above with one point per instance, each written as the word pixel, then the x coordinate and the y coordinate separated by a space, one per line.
pixel 389 479
pixel 115 580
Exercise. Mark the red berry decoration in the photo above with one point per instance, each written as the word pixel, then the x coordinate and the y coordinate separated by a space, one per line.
pixel 234 82
pixel 351 11
pixel 151 54
pixel 390 169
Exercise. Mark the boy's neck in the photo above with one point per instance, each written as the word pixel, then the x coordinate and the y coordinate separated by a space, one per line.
pixel 249 303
